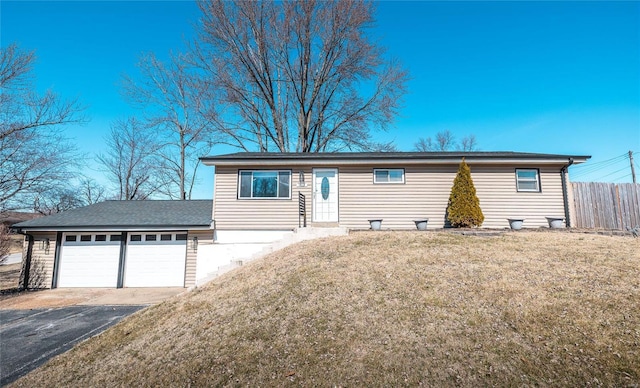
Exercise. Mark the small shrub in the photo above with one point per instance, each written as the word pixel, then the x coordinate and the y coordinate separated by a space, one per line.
pixel 463 210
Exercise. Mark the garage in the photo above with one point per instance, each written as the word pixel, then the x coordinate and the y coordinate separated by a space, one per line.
pixel 151 243
pixel 89 260
pixel 155 259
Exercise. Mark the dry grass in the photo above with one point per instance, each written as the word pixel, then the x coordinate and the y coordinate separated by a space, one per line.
pixel 16 243
pixel 392 309
pixel 9 277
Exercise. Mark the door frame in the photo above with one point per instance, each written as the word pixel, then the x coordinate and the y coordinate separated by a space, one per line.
pixel 313 192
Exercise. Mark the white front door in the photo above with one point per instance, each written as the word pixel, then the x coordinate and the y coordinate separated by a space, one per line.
pixel 325 195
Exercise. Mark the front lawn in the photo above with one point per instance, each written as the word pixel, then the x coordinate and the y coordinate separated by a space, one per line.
pixel 388 309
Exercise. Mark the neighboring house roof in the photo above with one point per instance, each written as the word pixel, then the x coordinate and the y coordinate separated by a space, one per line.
pixel 128 215
pixel 273 158
pixel 9 218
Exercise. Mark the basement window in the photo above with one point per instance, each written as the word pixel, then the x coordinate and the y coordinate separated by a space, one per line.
pixel 528 180
pixel 388 175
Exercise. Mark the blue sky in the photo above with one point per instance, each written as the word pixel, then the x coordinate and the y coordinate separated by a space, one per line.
pixel 549 77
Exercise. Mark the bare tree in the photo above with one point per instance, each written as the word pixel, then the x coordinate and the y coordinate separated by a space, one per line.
pixel 446 141
pixel 91 191
pixel 130 161
pixel 34 153
pixel 468 143
pixel 57 200
pixel 178 106
pixel 5 243
pixel 298 75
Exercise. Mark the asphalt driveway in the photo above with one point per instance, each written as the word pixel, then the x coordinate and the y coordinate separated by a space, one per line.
pixel 28 338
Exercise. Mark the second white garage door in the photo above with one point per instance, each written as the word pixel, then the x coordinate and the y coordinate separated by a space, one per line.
pixel 155 260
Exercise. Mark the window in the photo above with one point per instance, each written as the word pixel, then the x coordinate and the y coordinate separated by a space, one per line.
pixel 386 175
pixel 150 237
pixel 181 237
pixel 101 237
pixel 116 237
pixel 136 237
pixel 85 237
pixel 70 238
pixel 528 180
pixel 264 184
pixel 165 237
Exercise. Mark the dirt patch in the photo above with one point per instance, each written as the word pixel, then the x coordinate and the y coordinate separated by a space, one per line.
pixel 87 296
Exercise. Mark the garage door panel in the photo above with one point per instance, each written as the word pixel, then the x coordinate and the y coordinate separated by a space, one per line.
pixel 155 264
pixel 89 265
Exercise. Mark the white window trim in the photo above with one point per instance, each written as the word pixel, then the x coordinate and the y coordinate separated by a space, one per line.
pixel 263 198
pixel 538 188
pixel 389 182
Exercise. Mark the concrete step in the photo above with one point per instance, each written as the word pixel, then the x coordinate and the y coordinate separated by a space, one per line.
pixel 298 235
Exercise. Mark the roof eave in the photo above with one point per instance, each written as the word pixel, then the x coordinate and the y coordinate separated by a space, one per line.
pixel 111 228
pixel 319 161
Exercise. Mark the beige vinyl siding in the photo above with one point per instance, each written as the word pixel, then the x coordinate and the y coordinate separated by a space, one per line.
pixel 232 213
pixel 426 192
pixel 423 195
pixel 42 258
pixel 499 200
pixel 205 237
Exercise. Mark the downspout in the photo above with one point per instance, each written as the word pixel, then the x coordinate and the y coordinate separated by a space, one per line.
pixel 27 262
pixel 565 193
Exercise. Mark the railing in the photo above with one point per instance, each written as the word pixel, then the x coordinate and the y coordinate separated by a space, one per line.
pixel 302 210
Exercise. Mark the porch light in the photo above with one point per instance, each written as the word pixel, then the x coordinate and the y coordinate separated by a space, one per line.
pixel 301 179
pixel 194 243
pixel 44 245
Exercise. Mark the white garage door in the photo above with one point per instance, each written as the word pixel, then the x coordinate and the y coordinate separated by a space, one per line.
pixel 155 260
pixel 89 260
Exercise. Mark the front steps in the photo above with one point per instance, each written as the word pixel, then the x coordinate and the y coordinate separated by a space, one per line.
pixel 297 235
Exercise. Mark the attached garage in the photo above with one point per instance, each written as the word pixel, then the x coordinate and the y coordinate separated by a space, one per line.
pixel 89 260
pixel 118 244
pixel 155 260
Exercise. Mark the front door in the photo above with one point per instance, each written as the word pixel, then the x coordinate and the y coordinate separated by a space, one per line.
pixel 325 195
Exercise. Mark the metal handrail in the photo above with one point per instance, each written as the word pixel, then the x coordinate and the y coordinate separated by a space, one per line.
pixel 302 210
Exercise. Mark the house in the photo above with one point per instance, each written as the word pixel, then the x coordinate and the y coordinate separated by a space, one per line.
pixel 260 198
pixel 117 244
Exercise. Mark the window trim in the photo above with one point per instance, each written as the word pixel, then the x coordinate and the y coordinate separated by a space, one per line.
pixel 537 180
pixel 239 197
pixel 389 182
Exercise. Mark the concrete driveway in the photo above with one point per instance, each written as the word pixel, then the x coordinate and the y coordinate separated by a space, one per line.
pixel 37 325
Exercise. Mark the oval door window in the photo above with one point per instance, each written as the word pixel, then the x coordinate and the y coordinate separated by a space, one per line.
pixel 324 188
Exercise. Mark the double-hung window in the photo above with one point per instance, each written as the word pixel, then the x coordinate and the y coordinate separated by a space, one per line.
pixel 528 180
pixel 264 184
pixel 388 175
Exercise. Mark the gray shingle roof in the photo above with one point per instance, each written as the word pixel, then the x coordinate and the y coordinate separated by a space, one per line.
pixel 364 156
pixel 129 214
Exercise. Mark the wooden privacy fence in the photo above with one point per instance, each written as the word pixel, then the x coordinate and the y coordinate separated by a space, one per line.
pixel 606 205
